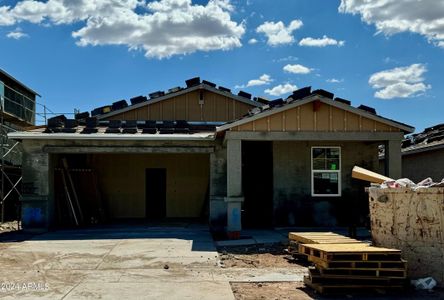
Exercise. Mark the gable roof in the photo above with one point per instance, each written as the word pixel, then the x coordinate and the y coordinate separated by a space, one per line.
pixel 201 86
pixel 267 110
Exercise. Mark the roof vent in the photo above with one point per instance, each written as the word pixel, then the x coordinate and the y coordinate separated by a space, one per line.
pixel 224 89
pixel 119 104
pixel 301 93
pixel 156 94
pixel 209 83
pixel 345 101
pixel 138 99
pixel 323 93
pixel 367 109
pixel 244 94
pixel 193 81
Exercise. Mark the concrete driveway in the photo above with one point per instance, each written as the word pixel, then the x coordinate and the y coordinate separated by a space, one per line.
pixel 132 262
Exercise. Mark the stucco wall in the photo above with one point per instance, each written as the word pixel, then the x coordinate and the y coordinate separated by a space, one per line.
pixel 293 203
pixel 122 182
pixel 422 165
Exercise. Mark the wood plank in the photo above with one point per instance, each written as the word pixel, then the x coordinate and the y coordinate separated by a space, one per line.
pixel 347 248
pixel 367 175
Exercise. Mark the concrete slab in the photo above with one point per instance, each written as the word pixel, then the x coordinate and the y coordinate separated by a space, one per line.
pixel 134 262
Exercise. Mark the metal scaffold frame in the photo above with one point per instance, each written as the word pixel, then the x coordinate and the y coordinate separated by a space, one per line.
pixel 10 150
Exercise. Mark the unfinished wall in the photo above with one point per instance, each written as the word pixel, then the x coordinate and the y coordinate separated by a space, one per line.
pixel 122 182
pixel 293 203
pixel 215 108
pixel 421 165
pixel 412 221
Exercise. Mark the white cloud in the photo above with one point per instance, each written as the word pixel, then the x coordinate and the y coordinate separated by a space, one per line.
pixel 402 82
pixel 277 33
pixel 16 34
pixel 281 89
pixel 322 42
pixel 252 41
pixel 161 29
pixel 334 80
pixel 296 69
pixel 393 16
pixel 262 80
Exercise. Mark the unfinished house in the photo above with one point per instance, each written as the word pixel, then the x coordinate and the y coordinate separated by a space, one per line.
pixel 18 103
pixel 201 152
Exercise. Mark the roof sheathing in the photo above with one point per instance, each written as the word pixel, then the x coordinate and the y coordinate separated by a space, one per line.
pixel 175 94
pixel 311 98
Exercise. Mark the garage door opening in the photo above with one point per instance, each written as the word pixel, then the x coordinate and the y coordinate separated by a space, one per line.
pixel 94 189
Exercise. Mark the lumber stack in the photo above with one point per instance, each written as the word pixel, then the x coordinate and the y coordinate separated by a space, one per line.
pixel 343 268
pixel 299 238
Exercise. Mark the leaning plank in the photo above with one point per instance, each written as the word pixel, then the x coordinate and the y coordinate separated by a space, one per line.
pixel 364 174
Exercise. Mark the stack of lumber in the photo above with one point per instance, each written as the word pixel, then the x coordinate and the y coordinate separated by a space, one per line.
pixel 344 268
pixel 298 238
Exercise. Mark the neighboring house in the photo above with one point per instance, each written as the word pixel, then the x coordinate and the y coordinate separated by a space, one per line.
pixel 423 155
pixel 214 155
pixel 17 112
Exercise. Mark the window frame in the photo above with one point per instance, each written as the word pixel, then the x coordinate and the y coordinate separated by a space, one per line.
pixel 339 172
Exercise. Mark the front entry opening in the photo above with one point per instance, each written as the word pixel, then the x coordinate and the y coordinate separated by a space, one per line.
pixel 257 184
pixel 155 182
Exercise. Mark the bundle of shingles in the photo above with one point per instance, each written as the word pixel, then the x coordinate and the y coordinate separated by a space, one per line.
pixel 344 265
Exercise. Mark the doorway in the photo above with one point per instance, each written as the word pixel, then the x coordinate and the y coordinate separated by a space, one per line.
pixel 155 201
pixel 257 183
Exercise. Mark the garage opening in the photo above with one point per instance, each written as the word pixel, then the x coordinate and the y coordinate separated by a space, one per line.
pixel 102 188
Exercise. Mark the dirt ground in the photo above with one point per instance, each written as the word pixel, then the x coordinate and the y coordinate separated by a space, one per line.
pixel 270 290
pixel 275 255
pixel 257 256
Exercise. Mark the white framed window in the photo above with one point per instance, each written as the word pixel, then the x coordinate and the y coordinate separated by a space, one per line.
pixel 325 171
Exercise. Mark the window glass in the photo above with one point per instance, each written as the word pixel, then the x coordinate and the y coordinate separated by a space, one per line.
pixel 326 170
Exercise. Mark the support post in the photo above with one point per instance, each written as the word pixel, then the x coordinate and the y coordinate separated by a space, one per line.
pixel 393 160
pixel 234 188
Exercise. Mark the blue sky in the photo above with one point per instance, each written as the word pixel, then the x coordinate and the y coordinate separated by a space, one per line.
pixel 83 54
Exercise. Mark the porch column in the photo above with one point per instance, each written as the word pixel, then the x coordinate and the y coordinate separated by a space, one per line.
pixel 393 160
pixel 234 188
pixel 36 206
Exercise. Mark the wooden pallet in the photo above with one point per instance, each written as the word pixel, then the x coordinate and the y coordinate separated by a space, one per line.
pixel 348 252
pixel 361 280
pixel 359 264
pixel 331 289
pixel 320 238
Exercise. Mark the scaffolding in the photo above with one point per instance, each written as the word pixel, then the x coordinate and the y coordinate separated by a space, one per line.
pixel 17 112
